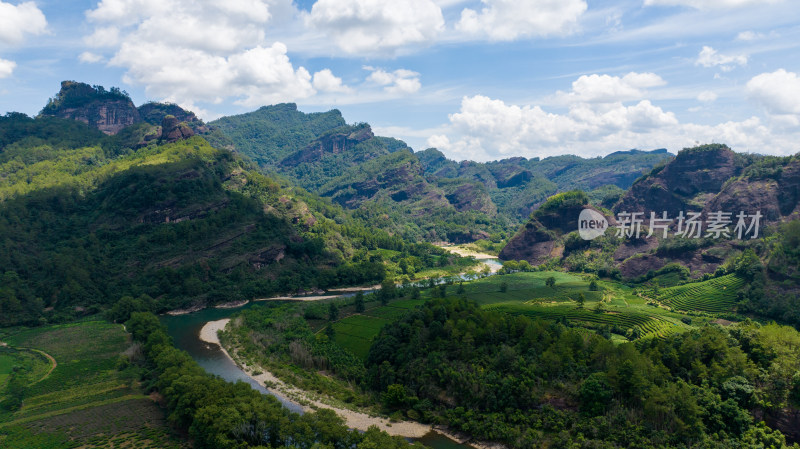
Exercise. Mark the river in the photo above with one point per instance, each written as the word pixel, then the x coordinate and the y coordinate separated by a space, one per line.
pixel 185 331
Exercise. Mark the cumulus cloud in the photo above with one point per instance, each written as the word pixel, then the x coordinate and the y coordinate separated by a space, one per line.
pixel 601 117
pixel 709 57
pixel 185 54
pixel 605 88
pixel 778 92
pixel 710 4
pixel 6 68
pixel 326 81
pixel 377 26
pixel 16 21
pixel 506 20
pixel 400 81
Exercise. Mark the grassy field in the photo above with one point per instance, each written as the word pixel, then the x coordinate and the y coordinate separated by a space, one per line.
pixel 85 401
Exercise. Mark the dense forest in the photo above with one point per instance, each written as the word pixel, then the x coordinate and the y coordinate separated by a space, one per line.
pixel 530 382
pixel 86 221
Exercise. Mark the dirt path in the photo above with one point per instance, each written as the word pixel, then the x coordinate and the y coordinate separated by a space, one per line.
pixel 53 365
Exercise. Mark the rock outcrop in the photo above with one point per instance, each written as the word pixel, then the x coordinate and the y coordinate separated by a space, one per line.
pixel 336 142
pixel 173 130
pixel 676 186
pixel 108 111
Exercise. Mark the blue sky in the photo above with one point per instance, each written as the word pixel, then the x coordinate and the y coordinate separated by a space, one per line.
pixel 479 80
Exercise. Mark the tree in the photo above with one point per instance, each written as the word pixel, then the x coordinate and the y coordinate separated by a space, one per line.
pixel 503 286
pixel 599 307
pixel 595 394
pixel 581 300
pixel 593 286
pixel 442 290
pixel 550 282
pixel 461 289
pixel 387 291
pixel 415 294
pixel 333 312
pixel 359 302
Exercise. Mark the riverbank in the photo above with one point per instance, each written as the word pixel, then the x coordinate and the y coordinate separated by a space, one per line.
pixel 354 420
pixel 463 252
pixel 304 400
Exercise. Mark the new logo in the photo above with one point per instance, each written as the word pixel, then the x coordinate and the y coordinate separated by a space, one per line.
pixel 591 224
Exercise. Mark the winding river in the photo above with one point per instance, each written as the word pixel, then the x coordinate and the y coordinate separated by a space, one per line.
pixel 185 331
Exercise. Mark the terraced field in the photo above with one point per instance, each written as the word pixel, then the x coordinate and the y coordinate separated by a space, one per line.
pixel 648 325
pixel 714 295
pixel 355 333
pixel 85 401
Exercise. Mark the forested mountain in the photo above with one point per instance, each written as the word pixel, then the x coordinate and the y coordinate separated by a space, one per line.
pixel 467 200
pixel 87 218
pixel 704 180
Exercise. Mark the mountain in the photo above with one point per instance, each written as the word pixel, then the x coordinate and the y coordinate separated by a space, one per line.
pixel 704 180
pixel 271 133
pixel 88 218
pixel 463 201
pixel 109 111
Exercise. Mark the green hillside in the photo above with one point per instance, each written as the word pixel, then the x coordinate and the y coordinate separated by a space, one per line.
pixel 174 225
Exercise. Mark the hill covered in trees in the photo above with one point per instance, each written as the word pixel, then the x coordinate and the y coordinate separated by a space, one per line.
pixel 87 219
pixel 468 200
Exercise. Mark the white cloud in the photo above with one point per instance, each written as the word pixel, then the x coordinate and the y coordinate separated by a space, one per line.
pixel 707 96
pixel 188 54
pixel 505 20
pixel 6 68
pixel 778 92
pixel 89 57
pixel 711 4
pixel 400 81
pixel 18 20
pixel 605 88
pixel 377 26
pixel 709 57
pixel 103 37
pixel 326 81
pixel 748 36
pixel 606 114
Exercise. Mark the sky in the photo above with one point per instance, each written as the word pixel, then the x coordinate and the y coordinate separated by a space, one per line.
pixel 479 80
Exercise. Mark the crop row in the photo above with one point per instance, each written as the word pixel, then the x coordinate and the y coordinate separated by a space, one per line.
pixel 713 295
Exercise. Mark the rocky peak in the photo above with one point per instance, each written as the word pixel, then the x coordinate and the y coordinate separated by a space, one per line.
pixel 153 113
pixel 674 186
pixel 107 110
pixel 173 130
pixel 335 142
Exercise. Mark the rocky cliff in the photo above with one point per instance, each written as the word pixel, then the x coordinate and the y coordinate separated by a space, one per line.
pixel 336 142
pixel 109 111
pixel 705 179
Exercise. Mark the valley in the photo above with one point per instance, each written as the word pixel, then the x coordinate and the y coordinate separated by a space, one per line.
pixel 286 279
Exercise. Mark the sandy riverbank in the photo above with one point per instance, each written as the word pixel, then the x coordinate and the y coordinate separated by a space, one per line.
pixel 463 252
pixel 353 419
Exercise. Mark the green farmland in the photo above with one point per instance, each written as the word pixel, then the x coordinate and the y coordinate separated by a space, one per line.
pixel 356 332
pixel 85 400
pixel 714 295
pixel 613 307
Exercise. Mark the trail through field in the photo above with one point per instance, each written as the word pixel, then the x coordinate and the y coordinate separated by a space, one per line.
pixel 53 365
